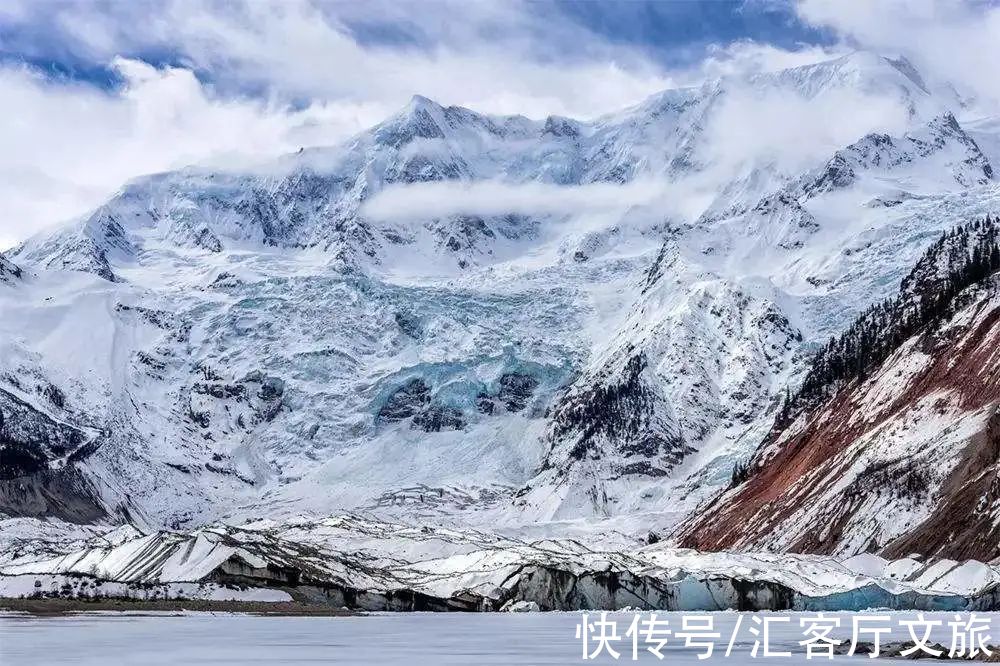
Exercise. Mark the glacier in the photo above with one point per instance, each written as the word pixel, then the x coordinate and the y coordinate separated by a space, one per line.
pixel 372 565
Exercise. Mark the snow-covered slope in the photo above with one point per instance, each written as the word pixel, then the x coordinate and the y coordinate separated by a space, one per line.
pixel 902 458
pixel 238 344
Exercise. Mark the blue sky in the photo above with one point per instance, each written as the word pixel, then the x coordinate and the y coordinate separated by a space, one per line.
pixel 681 32
pixel 100 91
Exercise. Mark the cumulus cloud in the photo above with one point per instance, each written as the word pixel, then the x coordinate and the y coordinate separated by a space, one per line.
pixel 67 148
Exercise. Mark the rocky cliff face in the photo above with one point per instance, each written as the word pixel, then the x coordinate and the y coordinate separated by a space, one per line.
pixel 9 271
pixel 39 462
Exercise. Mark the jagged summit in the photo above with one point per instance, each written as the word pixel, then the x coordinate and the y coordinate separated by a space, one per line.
pixel 859 71
pixel 419 102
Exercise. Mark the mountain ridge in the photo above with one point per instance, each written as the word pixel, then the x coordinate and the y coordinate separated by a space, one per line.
pixel 250 342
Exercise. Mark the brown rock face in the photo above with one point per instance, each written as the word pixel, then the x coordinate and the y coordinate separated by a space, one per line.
pixel 907 460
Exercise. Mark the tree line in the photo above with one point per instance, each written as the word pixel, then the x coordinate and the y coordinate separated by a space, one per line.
pixel 964 256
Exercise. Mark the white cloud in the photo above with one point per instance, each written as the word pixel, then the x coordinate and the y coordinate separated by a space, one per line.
pixel 300 49
pixel 67 148
pixel 744 58
pixel 949 42
pixel 423 201
pixel 791 131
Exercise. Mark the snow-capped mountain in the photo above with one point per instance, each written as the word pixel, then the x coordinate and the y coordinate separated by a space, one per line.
pixel 229 345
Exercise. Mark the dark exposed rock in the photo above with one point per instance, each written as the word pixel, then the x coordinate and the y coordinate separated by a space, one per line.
pixel 63 493
pixel 420 169
pixel 29 439
pixel 207 240
pixel 159 318
pixel 272 388
pixel 406 401
pixel 439 417
pixel 516 390
pixel 9 271
pixel 150 361
pixel 464 232
pixel 203 419
pixel 413 400
pixel 642 468
pixel 225 279
pixel 408 324
pixel 485 403
pixel 620 412
pixel 655 271
pixel 837 174
pixel 559 126
pixel 54 395
pixel 220 390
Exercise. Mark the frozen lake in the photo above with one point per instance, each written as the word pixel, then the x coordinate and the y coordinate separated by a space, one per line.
pixel 402 638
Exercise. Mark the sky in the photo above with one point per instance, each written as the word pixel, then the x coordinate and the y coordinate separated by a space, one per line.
pixel 97 92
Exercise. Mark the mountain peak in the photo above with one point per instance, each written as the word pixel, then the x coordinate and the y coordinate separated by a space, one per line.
pixel 878 69
pixel 863 69
pixel 419 102
pixel 420 118
pixel 906 68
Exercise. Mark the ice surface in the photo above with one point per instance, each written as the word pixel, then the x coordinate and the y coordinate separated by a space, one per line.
pixel 348 556
pixel 405 638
